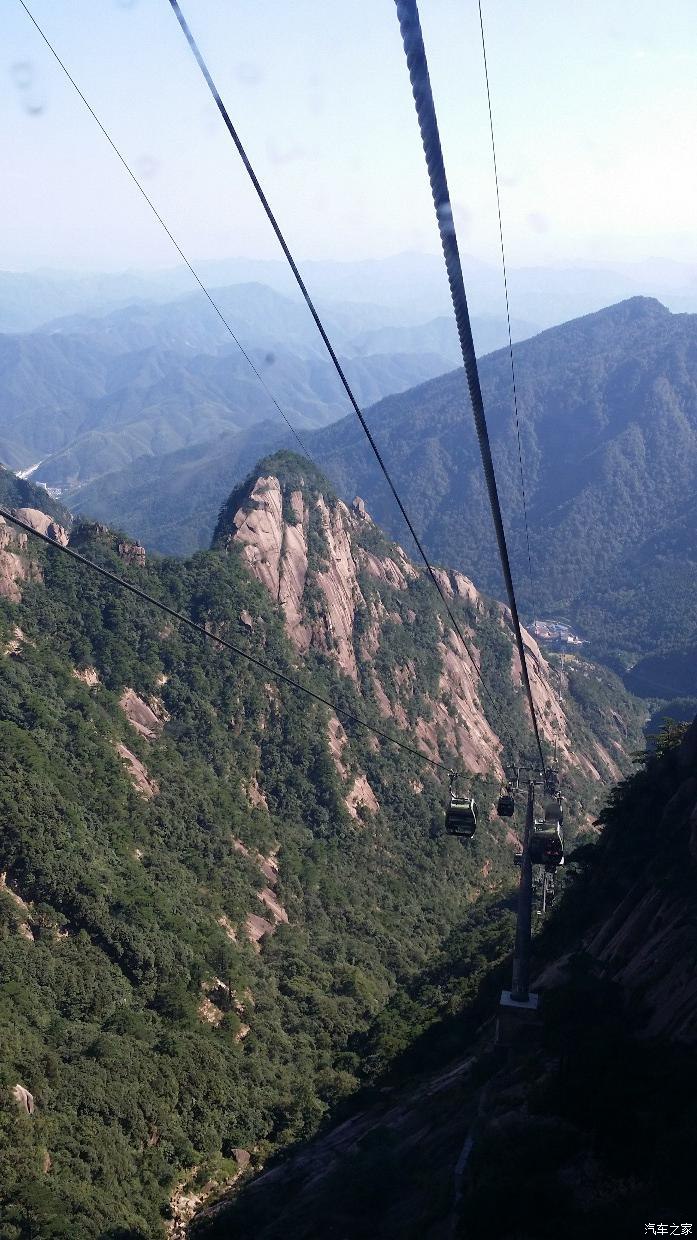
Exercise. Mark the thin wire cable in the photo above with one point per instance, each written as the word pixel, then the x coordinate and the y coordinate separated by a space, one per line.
pixel 161 221
pixel 508 309
pixel 320 327
pixel 410 26
pixel 123 161
pixel 221 641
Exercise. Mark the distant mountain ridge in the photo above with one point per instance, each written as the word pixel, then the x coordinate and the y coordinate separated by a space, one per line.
pixel 86 395
pixel 410 283
pixel 608 417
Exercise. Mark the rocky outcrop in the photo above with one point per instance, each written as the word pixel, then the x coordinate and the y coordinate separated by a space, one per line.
pixel 24 910
pixel 15 567
pixel 137 773
pixel 226 925
pixel 16 642
pixel 339 584
pixel 342 586
pixel 275 550
pixel 359 510
pixel 88 675
pixel 132 553
pixel 255 796
pixel 361 798
pixel 148 719
pixel 23 1098
pixel 337 743
pixel 43 524
pixel 276 909
pixel 256 928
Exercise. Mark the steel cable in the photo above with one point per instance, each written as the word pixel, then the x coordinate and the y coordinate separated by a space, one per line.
pixel 412 38
pixel 221 641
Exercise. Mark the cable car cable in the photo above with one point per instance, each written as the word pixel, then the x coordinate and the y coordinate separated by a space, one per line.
pixel 412 38
pixel 320 327
pixel 508 309
pixel 505 270
pixel 503 731
pixel 221 641
pixel 191 268
pixel 172 238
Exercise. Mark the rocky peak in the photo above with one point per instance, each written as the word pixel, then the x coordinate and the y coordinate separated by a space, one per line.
pixel 350 593
pixel 359 509
pixel 43 524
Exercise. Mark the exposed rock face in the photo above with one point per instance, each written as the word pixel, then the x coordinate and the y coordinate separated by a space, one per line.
pixel 43 524
pixel 138 775
pixel 16 642
pixel 209 1012
pixel 339 584
pixel 14 566
pixel 132 553
pixel 24 1099
pixel 24 929
pixel 276 910
pixel 255 796
pixel 256 928
pixel 359 510
pixel 276 551
pixel 342 587
pixel 337 742
pixel 361 797
pixel 88 675
pixel 260 530
pixel 226 925
pixel 147 719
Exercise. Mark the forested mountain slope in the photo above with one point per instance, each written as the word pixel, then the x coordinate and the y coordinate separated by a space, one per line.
pixel 608 417
pixel 89 394
pixel 212 886
pixel 20 493
pixel 588 1126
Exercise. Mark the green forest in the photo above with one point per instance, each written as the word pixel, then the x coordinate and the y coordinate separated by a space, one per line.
pixel 589 1127
pixel 123 915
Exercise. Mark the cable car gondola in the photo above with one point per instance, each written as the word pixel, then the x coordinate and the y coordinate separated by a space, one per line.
pixel 461 816
pixel 554 812
pixel 547 844
pixel 505 806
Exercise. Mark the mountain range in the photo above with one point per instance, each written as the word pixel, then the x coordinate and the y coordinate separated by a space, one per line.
pixel 86 395
pixel 213 886
pixel 410 285
pixel 607 409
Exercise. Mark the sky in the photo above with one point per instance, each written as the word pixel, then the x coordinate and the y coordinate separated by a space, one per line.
pixel 595 104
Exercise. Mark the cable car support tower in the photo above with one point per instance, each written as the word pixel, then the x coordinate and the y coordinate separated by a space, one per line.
pixel 518 1004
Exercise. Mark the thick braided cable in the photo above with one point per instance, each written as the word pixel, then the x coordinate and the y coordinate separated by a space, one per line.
pixel 410 26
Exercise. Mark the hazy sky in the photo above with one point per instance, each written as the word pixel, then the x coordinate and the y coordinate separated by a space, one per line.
pixel 595 104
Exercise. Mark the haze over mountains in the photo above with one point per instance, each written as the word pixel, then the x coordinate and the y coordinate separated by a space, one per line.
pixel 147 413
pixel 411 285
pixel 608 416
pixel 88 394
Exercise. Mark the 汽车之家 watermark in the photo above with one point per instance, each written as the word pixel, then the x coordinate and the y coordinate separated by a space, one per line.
pixel 667 1229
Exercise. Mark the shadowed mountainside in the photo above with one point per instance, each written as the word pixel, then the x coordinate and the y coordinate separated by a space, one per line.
pixel 588 1126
